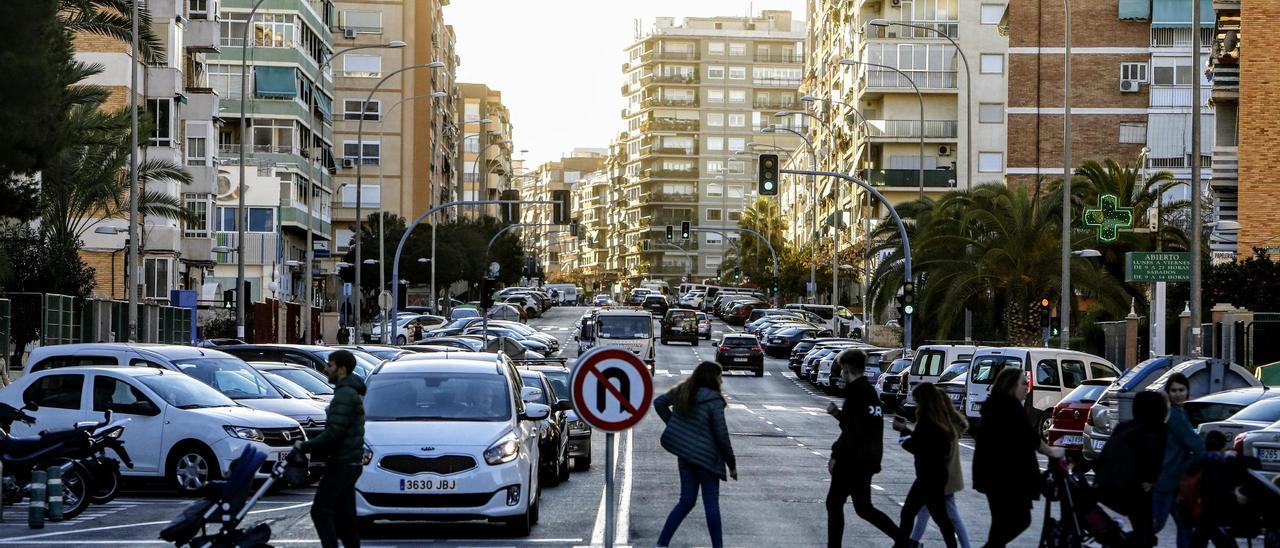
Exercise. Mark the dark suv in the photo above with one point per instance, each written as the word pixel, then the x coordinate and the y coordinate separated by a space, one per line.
pixel 741 352
pixel 656 304
pixel 680 324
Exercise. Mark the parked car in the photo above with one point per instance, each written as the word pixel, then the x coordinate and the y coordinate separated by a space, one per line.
pixel 179 429
pixel 461 312
pixel 454 327
pixel 314 382
pixel 779 343
pixel 680 324
pixel 552 343
pixel 692 300
pixel 740 352
pixel 1255 416
pixel 407 326
pixel 929 362
pixel 656 304
pixel 893 387
pixel 481 454
pixel 801 348
pixel 315 357
pixel 1054 373
pixel 579 430
pixel 553 431
pixel 528 306
pixel 704 325
pixel 1116 404
pixel 377 351
pixel 1066 430
pixel 1220 406
pixel 497 330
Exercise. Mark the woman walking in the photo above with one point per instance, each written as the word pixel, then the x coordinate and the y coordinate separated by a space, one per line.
pixel 1181 445
pixel 955 478
pixel 932 442
pixel 697 435
pixel 1005 468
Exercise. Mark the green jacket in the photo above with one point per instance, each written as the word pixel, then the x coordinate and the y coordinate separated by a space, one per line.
pixel 342 441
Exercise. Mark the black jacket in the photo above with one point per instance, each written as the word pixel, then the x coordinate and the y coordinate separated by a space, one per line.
pixel 861 442
pixel 932 449
pixel 342 441
pixel 1132 456
pixel 1004 456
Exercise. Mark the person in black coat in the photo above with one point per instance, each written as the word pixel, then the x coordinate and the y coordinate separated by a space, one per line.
pixel 930 441
pixel 1005 467
pixel 1127 469
pixel 855 456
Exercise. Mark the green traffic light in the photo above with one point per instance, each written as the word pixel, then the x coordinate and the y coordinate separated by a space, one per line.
pixel 909 309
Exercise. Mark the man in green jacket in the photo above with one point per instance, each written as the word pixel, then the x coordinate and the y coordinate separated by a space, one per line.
pixel 341 445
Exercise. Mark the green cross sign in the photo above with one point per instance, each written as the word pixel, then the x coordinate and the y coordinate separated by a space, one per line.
pixel 1109 217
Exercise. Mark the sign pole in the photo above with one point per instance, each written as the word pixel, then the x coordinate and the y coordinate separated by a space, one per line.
pixel 610 499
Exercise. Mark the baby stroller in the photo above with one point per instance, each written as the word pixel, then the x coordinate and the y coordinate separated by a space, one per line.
pixel 1260 516
pixel 229 503
pixel 1080 519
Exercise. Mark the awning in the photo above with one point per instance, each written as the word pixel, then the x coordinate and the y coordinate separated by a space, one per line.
pixel 1135 9
pixel 1177 13
pixel 325 104
pixel 275 82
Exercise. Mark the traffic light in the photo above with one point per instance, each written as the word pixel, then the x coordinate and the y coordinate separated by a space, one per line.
pixel 562 208
pixel 768 175
pixel 670 233
pixel 685 230
pixel 510 212
pixel 486 293
pixel 908 299
pixel 1043 311
pixel 1055 326
pixel 229 298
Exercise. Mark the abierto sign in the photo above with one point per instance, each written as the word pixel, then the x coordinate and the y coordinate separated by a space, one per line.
pixel 1157 266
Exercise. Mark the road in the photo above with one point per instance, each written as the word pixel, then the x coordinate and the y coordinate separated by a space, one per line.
pixel 780 433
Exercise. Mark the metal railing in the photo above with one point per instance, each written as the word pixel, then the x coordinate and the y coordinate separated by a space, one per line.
pixel 1174 37
pixel 924 79
pixel 773 104
pixel 949 28
pixel 940 129
pixel 666 102
pixel 776 82
pixel 669 124
pixel 690 79
pixel 778 58
pixel 669 173
pixel 675 197
pixel 910 178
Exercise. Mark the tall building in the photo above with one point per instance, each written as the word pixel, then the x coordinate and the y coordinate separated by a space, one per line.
pixel 1224 58
pixel 484 148
pixel 286 187
pixel 595 200
pixel 1259 195
pixel 696 94
pixel 547 244
pixel 183 111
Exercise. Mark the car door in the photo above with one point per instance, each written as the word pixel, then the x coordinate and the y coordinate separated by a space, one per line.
pixel 1046 388
pixel 60 397
pixel 144 434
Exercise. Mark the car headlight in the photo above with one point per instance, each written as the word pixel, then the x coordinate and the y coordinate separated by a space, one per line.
pixel 579 427
pixel 367 456
pixel 244 433
pixel 503 451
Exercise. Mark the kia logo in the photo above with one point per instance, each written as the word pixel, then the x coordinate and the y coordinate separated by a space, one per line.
pixel 428 448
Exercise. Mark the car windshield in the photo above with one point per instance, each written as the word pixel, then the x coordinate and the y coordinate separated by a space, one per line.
pixel 624 327
pixel 234 378
pixel 559 382
pixel 984 368
pixel 472 345
pixel 1086 393
pixel 287 386
pixel 184 392
pixel 479 397
pixel 790 331
pixel 364 362
pixel 458 323
pixel 309 379
pixel 1267 410
pixel 499 331
pixel 954 370
pixel 899 365
pixel 383 353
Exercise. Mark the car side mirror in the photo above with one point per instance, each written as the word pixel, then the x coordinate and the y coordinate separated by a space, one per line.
pixel 530 394
pixel 535 412
pixel 562 405
pixel 31 405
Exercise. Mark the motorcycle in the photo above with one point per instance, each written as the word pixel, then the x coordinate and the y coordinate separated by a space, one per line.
pixel 88 474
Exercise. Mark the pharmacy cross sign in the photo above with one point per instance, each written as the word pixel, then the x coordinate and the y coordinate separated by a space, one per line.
pixel 1109 217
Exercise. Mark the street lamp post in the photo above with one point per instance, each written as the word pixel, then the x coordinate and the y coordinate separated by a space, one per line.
pixel 1064 306
pixel 242 216
pixel 132 266
pixel 813 201
pixel 919 96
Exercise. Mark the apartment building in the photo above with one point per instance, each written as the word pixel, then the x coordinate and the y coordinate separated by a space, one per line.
pixel 552 247
pixel 1224 62
pixel 484 149
pixel 697 94
pixel 1259 191
pixel 185 122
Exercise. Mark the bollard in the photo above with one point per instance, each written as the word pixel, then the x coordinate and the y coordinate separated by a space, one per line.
pixel 55 493
pixel 35 512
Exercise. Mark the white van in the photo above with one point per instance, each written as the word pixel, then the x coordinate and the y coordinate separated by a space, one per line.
pixel 930 361
pixel 568 293
pixel 1056 373
pixel 630 329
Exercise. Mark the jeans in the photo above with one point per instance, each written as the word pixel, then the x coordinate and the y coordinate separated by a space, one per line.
pixel 334 509
pixel 1162 506
pixel 926 494
pixel 858 486
pixel 693 478
pixel 1010 516
pixel 922 521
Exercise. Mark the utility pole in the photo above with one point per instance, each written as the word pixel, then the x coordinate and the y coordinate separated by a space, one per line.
pixel 1064 307
pixel 135 277
pixel 1197 223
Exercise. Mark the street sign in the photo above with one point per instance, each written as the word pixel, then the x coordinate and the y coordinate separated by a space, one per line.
pixel 612 388
pixel 384 300
pixel 1158 266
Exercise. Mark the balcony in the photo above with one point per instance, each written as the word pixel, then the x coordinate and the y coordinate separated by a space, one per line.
pixel 668 102
pixel 1226 81
pixel 663 219
pixel 259 247
pixel 926 80
pixel 668 269
pixel 790 83
pixel 779 58
pixel 656 150
pixel 910 178
pixel 669 174
pixel 1177 96
pixel 669 198
pixel 910 129
pixel 1178 37
pixel 203 35
pixel 669 124
pixel 676 55
pixel 683 79
pixel 895 32
pixel 1226 167
pixel 773 104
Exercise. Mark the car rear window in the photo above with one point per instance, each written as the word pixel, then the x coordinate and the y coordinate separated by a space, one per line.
pixel 1085 393
pixel 1202 412
pixel 740 341
pixel 1267 410
pixel 983 370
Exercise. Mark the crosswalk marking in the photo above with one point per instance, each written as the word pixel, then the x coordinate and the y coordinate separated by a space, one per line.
pixel 775 408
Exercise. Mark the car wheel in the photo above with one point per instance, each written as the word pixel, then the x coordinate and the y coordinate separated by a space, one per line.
pixel 1043 423
pixel 582 463
pixel 521 525
pixel 400 340
pixel 563 470
pixel 191 468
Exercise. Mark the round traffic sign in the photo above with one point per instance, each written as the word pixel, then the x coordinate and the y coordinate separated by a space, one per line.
pixel 612 388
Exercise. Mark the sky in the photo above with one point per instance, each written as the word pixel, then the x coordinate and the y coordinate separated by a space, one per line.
pixel 558 63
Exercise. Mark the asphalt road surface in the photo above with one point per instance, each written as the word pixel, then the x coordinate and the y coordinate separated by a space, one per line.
pixel 780 433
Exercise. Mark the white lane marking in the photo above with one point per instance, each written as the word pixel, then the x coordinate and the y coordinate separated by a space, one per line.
pixel 820 454
pixel 128 525
pixel 597 532
pixel 812 409
pixel 967 446
pixel 737 406
pixel 624 506
pixel 450 542
pixel 877 487
pixel 686 371
pixel 775 408
pixel 778 429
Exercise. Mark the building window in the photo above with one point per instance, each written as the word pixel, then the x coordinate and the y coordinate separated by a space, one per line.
pixel 715 48
pixel 992 63
pixel 363 22
pixel 736 167
pixel 735 191
pixel 715 96
pixel 991 113
pixel 990 162
pixel 715 143
pixel 1136 72
pixel 351 109
pixel 226 219
pixel 161 111
pixel 737 120
pixel 156 277
pixel 713 261
pixel 198 7
pixel 737 49
pixel 197 150
pixel 225 79
pixel 372 152
pixel 715 167
pixel 361 66
pixel 715 119
pixel 272 135
pixel 715 190
pixel 713 214
pixel 712 239
pixel 1133 133
pixel 737 96
pixel 737 144
pixel 1172 75
pixel 737 73
pixel 198 227
pixel 735 215
pixel 992 14
pixel 274 30
pixel 261 219
pixel 715 72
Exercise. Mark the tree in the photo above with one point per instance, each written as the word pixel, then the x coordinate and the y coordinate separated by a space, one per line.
pixel 33 44
pixel 762 216
pixel 47 267
pixel 1253 283
pixel 113 19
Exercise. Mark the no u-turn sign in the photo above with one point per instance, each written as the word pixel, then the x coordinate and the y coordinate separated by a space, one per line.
pixel 612 388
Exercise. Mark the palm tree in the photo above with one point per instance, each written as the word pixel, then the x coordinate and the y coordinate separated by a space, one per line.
pixel 113 19
pixel 762 216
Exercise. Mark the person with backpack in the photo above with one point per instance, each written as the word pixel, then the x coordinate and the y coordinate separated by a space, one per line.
pixel 855 456
pixel 930 441
pixel 1127 470
pixel 1182 444
pixel 1206 496
pixel 1005 467
pixel 955 479
pixel 697 435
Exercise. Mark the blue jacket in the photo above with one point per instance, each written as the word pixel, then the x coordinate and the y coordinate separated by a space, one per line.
pixel 1181 446
pixel 701 438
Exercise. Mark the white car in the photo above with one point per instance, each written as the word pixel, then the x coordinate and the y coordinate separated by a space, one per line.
pixel 451 438
pixel 405 325
pixel 179 428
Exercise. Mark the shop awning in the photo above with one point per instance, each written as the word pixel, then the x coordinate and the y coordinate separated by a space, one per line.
pixel 1177 13
pixel 275 82
pixel 1135 9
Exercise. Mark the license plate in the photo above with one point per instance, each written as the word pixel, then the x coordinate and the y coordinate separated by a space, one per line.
pixel 1097 444
pixel 975 407
pixel 428 485
pixel 1268 455
pixel 1071 441
pixel 739 359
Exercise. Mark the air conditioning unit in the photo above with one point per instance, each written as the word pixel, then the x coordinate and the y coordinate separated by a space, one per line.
pixel 944 150
pixel 348 163
pixel 1130 86
pixel 349 33
pixel 895 3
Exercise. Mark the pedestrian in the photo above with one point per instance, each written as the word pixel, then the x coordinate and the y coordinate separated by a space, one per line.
pixel 930 442
pixel 417 331
pixel 1127 469
pixel 697 435
pixel 341 445
pixel 1005 467
pixel 344 336
pixel 955 478
pixel 1206 497
pixel 1182 444
pixel 855 456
